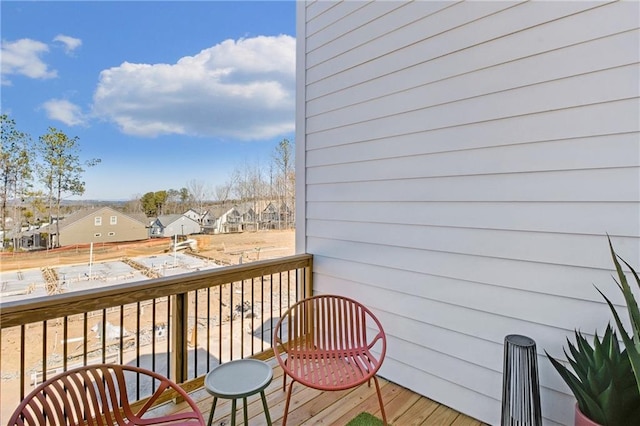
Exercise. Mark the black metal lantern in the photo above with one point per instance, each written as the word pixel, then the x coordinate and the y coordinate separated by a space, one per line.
pixel 520 386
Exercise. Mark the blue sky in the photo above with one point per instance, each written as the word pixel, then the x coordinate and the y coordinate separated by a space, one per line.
pixel 162 92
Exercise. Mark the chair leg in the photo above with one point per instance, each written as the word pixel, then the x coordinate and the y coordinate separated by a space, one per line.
pixel 284 382
pixel 284 378
pixel 384 416
pixel 286 405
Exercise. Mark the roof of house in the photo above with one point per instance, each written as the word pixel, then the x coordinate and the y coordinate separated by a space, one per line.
pixel 167 219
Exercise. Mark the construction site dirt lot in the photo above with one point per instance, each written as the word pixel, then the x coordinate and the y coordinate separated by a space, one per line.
pixel 224 249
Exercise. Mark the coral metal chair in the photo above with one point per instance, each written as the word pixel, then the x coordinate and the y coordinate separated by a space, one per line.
pixel 326 342
pixel 97 395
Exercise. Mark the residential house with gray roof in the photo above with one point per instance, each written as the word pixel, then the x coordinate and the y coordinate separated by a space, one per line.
pixel 173 224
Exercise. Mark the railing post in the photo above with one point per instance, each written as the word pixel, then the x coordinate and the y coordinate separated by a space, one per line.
pixel 179 331
pixel 306 289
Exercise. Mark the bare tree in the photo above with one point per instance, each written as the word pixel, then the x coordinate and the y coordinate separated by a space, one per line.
pixel 134 205
pixel 249 185
pixel 284 181
pixel 223 192
pixel 197 190
pixel 173 203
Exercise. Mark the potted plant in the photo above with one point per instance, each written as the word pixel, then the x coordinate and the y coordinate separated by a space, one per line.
pixel 606 377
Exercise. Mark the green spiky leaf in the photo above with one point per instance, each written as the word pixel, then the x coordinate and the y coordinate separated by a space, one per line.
pixel 601 380
pixel 631 341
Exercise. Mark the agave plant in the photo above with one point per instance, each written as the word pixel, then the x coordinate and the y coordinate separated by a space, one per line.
pixel 631 342
pixel 603 383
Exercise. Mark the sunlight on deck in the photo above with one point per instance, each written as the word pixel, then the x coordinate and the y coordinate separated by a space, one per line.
pixel 309 406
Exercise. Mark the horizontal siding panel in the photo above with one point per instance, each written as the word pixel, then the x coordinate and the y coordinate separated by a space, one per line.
pixel 575 250
pixel 409 319
pixel 557 408
pixel 523 74
pixel 313 9
pixel 405 318
pixel 610 185
pixel 375 20
pixel 560 280
pixel 451 369
pixel 598 152
pixel 463 162
pixel 333 38
pixel 604 86
pixel 586 121
pixel 420 83
pixel 408 32
pixel 570 218
pixel 452 343
pixel 322 16
pixel 531 40
pixel 523 305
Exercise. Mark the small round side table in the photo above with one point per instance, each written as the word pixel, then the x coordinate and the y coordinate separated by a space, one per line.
pixel 239 379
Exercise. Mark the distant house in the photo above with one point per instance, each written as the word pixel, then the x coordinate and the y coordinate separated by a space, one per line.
pixel 193 214
pixel 227 220
pixel 101 225
pixel 250 217
pixel 173 224
pixel 273 217
pixel 205 219
pixel 31 239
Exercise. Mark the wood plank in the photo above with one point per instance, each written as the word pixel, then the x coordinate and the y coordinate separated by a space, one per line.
pixel 301 395
pixel 463 420
pixel 353 403
pixel 370 404
pixel 417 413
pixel 317 405
pixel 403 407
pixel 395 408
pixel 441 416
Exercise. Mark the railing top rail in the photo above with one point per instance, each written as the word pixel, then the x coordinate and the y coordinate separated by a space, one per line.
pixel 27 311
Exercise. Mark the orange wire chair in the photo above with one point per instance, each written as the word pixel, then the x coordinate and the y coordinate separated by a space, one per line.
pixel 97 395
pixel 325 342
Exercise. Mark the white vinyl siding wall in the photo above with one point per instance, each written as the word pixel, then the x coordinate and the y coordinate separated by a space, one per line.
pixel 461 164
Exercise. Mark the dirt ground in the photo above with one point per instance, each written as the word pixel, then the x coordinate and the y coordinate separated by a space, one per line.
pixel 226 249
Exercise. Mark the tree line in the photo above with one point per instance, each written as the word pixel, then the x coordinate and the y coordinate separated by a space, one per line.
pixel 36 175
pixel 247 183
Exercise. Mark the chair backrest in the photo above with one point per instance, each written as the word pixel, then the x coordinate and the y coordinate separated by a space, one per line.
pixel 97 395
pixel 331 324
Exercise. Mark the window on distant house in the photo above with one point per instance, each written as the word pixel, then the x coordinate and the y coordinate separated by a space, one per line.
pixel 97 234
pixel 97 221
pixel 114 220
pixel 111 234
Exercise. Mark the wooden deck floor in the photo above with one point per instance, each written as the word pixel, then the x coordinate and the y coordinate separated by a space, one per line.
pixel 312 407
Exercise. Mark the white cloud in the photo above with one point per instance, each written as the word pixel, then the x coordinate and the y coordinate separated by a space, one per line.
pixel 22 57
pixel 242 89
pixel 70 43
pixel 64 111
